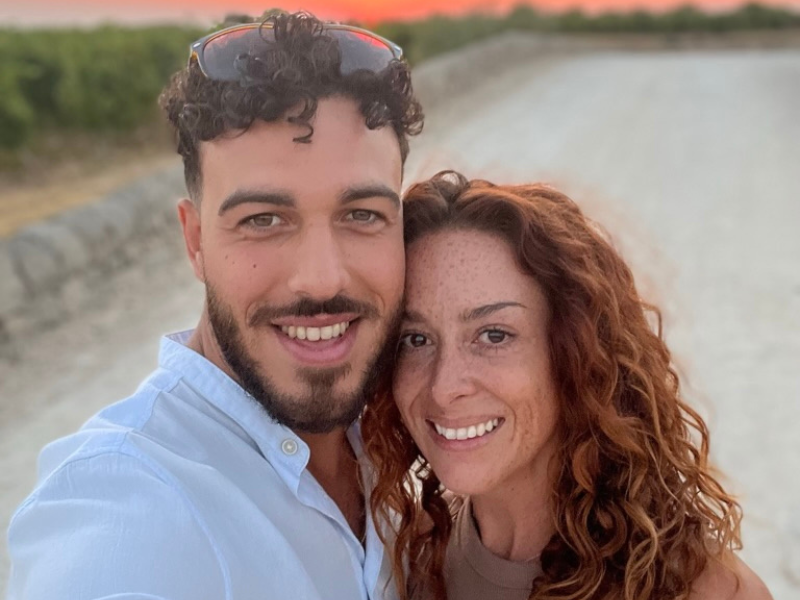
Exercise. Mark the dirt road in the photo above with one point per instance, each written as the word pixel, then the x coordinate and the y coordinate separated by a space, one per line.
pixel 689 159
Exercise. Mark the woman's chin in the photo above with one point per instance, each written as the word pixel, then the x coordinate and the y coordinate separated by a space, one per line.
pixel 464 483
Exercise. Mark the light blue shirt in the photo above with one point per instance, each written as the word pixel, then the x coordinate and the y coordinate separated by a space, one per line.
pixel 187 490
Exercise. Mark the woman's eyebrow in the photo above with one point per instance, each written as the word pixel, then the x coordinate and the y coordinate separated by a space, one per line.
pixel 487 309
pixel 413 316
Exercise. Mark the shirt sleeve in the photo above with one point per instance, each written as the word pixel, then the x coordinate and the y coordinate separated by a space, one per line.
pixel 108 527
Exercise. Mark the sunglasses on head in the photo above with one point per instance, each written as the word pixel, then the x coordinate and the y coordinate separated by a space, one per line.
pixel 220 54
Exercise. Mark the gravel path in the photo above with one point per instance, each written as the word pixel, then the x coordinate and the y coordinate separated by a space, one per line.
pixel 689 159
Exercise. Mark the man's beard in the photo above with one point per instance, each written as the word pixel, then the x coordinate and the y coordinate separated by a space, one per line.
pixel 320 410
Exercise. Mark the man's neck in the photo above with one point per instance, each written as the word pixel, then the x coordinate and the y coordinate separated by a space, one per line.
pixel 334 465
pixel 332 461
pixel 205 344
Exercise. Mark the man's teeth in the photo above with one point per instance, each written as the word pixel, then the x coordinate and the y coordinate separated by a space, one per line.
pixel 467 433
pixel 315 334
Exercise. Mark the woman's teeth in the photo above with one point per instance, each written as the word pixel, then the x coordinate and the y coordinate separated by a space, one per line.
pixel 315 334
pixel 467 433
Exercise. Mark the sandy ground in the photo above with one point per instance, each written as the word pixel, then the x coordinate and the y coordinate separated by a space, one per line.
pixel 29 202
pixel 689 159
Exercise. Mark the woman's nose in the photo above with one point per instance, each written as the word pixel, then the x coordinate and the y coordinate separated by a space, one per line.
pixel 453 377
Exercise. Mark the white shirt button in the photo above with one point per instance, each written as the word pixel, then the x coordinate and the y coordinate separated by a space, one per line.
pixel 289 447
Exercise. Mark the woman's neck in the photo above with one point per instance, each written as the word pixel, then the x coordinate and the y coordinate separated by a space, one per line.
pixel 515 521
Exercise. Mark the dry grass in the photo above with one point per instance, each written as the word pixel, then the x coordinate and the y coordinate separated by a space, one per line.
pixel 68 171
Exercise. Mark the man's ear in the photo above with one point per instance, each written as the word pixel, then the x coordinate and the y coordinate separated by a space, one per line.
pixel 189 215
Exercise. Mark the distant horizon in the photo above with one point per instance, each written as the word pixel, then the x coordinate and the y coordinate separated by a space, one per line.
pixel 50 13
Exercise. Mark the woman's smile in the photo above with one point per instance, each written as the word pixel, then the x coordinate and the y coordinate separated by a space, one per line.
pixel 467 438
pixel 469 432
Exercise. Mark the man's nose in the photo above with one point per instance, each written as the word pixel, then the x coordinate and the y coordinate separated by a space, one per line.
pixel 318 268
pixel 453 377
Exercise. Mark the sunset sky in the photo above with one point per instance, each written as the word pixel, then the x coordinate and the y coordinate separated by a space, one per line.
pixel 30 12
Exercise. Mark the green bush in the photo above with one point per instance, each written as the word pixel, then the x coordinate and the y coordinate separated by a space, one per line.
pixel 113 82
pixel 16 116
pixel 426 38
pixel 106 79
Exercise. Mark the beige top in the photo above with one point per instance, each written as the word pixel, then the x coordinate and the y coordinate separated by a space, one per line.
pixel 472 572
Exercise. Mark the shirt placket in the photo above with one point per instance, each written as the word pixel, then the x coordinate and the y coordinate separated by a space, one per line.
pixel 294 458
pixel 314 496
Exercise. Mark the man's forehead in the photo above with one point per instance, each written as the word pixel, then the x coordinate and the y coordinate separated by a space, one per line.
pixel 341 152
pixel 336 127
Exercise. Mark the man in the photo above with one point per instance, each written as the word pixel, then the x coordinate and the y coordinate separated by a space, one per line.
pixel 236 470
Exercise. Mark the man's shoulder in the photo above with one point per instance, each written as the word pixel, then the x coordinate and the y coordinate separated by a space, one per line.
pixel 165 435
pixel 108 505
pixel 166 417
pixel 95 466
pixel 108 432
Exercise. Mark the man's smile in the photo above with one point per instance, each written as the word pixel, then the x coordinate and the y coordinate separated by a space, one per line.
pixel 319 345
pixel 315 334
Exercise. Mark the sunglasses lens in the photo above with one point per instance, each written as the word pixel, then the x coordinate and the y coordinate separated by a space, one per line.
pixel 223 56
pixel 361 51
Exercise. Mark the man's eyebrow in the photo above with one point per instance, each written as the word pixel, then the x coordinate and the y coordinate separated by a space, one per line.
pixel 486 310
pixel 375 190
pixel 276 198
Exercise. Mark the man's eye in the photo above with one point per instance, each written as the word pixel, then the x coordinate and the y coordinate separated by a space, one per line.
pixel 493 336
pixel 363 216
pixel 414 340
pixel 264 221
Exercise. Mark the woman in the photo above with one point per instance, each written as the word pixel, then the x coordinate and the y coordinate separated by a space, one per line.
pixel 532 383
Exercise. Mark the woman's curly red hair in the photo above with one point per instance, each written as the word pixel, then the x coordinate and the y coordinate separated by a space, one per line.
pixel 636 506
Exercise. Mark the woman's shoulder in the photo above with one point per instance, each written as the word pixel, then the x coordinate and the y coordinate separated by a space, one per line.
pixel 733 581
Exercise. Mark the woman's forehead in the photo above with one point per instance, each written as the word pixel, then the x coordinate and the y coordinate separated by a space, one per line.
pixel 455 271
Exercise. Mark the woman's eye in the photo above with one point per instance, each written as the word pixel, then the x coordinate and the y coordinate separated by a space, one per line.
pixel 264 221
pixel 414 340
pixel 493 336
pixel 363 216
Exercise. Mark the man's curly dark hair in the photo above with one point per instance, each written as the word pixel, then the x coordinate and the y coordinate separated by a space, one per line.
pixel 293 73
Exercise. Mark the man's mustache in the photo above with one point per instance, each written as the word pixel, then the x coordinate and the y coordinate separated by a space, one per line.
pixel 308 307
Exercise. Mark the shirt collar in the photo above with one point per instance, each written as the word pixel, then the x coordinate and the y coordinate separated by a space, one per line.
pixel 285 451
